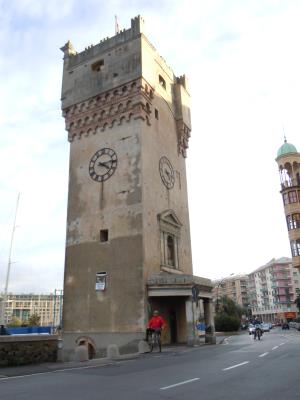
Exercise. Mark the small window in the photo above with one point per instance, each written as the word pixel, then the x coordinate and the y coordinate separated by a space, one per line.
pixel 289 222
pixel 162 82
pixel 103 235
pixel 285 198
pixel 293 197
pixel 170 250
pixel 156 113
pixel 98 65
pixel 295 247
pixel 296 220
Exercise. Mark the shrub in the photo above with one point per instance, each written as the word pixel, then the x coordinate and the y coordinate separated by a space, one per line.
pixel 226 323
pixel 15 322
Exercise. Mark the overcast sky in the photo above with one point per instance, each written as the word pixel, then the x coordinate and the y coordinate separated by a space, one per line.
pixel 242 59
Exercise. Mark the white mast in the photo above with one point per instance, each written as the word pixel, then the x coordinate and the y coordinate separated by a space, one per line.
pixel 8 267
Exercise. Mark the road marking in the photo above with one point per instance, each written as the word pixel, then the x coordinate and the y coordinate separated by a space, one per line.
pixel 179 383
pixel 51 372
pixel 235 366
pixel 275 347
pixel 281 344
pixel 264 354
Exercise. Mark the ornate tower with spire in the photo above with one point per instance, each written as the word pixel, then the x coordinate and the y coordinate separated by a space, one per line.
pixel 288 160
pixel 128 236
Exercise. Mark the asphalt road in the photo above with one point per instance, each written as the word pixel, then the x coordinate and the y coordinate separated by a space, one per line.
pixel 240 368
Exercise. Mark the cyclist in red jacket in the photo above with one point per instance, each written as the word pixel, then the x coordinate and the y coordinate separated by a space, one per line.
pixel 156 323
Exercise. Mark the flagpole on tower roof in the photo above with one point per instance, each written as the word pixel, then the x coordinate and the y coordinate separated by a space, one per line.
pixel 117 29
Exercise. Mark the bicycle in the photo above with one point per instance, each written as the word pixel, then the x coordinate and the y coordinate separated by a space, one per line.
pixel 154 339
pixel 257 333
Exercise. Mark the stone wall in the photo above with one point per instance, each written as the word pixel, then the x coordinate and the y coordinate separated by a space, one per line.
pixel 25 349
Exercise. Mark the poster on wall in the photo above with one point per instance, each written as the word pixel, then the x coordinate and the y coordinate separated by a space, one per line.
pixel 100 281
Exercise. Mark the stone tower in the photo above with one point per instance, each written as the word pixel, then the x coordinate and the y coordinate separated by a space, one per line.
pixel 288 160
pixel 128 122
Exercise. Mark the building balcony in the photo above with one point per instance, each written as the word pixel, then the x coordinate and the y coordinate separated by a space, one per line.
pixel 278 278
pixel 281 285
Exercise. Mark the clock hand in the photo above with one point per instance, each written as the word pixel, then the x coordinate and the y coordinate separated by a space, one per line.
pixel 104 164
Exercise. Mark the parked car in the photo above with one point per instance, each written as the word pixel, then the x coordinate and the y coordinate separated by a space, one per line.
pixel 251 329
pixel 265 327
pixel 285 326
pixel 244 326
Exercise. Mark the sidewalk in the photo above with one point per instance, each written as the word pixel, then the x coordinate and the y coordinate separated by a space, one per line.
pixel 32 369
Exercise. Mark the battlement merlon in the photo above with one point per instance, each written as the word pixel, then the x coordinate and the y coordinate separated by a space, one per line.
pixel 114 62
pixel 68 49
pixel 182 101
pixel 136 29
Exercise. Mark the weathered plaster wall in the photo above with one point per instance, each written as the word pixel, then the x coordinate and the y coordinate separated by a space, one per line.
pixel 161 139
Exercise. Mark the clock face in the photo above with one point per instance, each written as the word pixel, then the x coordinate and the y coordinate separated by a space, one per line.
pixel 103 164
pixel 166 172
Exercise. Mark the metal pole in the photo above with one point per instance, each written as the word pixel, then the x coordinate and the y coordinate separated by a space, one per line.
pixel 54 310
pixel 8 266
pixel 60 308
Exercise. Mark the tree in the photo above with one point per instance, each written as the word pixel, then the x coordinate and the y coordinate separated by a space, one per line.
pixel 228 317
pixel 34 320
pixel 297 302
pixel 15 322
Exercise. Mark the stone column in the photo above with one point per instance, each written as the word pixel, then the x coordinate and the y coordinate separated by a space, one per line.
pixel 210 336
pixel 190 323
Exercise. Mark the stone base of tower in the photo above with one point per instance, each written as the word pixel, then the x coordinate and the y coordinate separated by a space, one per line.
pixel 100 345
pixel 183 300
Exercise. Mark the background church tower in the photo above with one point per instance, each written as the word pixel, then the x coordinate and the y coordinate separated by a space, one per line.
pixel 128 122
pixel 288 160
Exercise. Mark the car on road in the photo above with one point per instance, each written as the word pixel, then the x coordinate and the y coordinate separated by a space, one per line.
pixel 285 326
pixel 265 327
pixel 251 329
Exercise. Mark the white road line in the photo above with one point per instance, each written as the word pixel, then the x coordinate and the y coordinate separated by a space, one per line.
pixel 264 354
pixel 180 383
pixel 281 344
pixel 275 347
pixel 235 366
pixel 4 378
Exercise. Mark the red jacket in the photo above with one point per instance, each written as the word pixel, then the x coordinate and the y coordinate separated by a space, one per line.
pixel 156 322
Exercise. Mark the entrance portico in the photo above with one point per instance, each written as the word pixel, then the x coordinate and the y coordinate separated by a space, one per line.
pixel 178 297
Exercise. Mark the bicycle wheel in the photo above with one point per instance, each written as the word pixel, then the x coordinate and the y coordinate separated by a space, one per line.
pixel 151 343
pixel 159 343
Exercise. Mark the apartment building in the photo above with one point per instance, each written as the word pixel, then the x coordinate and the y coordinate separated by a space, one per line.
pixel 273 289
pixel 47 306
pixel 234 287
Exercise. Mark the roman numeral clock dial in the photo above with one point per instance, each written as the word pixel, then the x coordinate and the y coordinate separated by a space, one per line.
pixel 166 172
pixel 103 164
